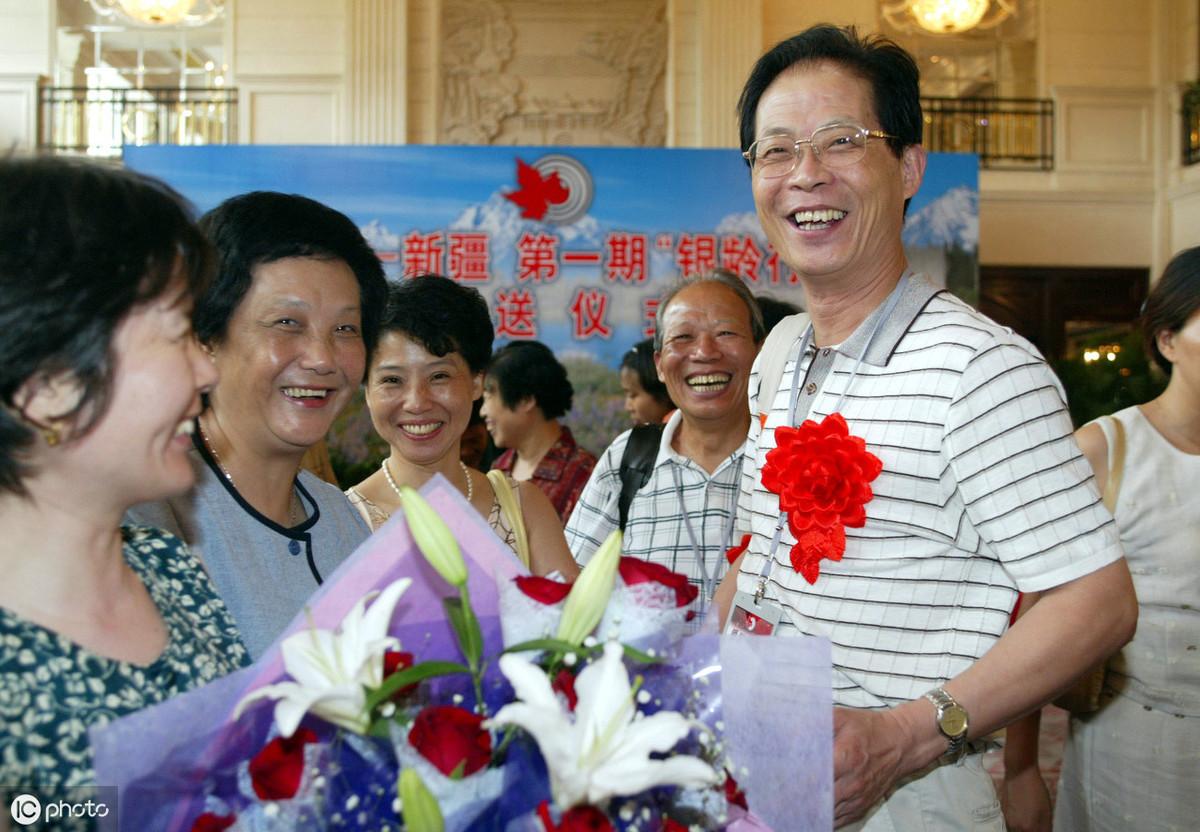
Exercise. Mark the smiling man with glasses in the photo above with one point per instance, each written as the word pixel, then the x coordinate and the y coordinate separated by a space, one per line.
pixel 977 490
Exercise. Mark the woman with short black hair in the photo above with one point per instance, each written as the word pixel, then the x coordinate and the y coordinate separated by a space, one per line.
pixel 525 393
pixel 100 384
pixel 424 378
pixel 289 322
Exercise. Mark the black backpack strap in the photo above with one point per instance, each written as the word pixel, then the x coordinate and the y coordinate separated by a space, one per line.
pixel 636 464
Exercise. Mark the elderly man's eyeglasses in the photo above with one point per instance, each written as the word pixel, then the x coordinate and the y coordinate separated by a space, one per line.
pixel 835 145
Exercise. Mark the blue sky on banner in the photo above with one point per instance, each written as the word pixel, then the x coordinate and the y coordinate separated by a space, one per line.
pixel 675 198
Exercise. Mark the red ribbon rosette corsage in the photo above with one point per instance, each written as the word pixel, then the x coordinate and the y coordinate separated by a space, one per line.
pixel 821 474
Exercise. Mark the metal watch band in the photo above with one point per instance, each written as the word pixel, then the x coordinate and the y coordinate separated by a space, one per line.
pixel 956 743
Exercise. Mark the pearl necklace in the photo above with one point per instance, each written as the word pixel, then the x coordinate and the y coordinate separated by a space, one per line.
pixel 293 502
pixel 387 473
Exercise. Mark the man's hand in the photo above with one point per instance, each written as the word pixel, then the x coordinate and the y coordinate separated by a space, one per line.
pixel 868 758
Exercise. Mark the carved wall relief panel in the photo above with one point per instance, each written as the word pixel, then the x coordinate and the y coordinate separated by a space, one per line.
pixel 570 72
pixel 477 93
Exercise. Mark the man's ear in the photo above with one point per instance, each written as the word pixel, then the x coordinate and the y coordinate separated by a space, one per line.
pixel 658 366
pixel 477 386
pixel 912 168
pixel 526 405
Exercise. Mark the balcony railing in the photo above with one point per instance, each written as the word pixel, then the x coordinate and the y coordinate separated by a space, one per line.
pixel 1190 119
pixel 1006 133
pixel 103 121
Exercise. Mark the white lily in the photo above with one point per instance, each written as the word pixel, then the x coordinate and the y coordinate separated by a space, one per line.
pixel 603 749
pixel 589 595
pixel 332 670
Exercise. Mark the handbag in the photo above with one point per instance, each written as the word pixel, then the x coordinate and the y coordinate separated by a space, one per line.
pixel 512 510
pixel 1083 697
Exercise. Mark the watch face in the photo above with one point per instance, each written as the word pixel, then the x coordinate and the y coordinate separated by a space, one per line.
pixel 953 721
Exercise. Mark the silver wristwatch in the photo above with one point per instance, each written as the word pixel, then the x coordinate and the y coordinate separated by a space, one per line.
pixel 952 721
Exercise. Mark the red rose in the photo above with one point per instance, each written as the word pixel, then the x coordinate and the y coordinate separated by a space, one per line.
pixel 210 822
pixel 276 770
pixel 733 792
pixel 584 819
pixel 821 474
pixel 453 739
pixel 564 683
pixel 543 590
pixel 393 662
pixel 670 825
pixel 578 819
pixel 635 571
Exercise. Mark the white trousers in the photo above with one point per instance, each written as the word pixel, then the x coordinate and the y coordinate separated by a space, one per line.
pixel 949 798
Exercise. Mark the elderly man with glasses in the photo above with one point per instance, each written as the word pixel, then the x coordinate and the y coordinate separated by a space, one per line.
pixel 926 471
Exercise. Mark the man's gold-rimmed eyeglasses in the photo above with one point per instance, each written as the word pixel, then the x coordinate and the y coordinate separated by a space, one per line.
pixel 834 145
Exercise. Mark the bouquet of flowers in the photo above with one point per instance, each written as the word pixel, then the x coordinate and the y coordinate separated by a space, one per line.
pixel 419 694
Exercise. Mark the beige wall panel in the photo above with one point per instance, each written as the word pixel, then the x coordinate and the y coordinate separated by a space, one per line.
pixel 26 36
pixel 293 116
pixel 1103 61
pixel 424 18
pixel 282 37
pixel 1065 230
pixel 1183 34
pixel 1184 224
pixel 18 112
pixel 1103 43
pixel 1104 130
pixel 783 18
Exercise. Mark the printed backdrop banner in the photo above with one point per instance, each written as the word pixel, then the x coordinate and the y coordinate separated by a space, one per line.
pixel 572 245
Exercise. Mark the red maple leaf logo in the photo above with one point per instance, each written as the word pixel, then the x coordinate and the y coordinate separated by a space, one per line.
pixel 536 193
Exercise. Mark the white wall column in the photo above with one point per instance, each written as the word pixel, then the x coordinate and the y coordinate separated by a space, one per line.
pixel 377 56
pixel 26 49
pixel 712 46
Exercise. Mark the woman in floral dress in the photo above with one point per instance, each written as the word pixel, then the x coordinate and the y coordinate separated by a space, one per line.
pixel 100 385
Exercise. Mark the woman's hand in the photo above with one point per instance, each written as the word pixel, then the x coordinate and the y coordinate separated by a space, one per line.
pixel 1025 801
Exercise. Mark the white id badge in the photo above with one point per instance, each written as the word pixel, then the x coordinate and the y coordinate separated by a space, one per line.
pixel 752 618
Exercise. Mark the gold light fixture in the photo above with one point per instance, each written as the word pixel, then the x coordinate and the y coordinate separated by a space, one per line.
pixel 160 13
pixel 947 17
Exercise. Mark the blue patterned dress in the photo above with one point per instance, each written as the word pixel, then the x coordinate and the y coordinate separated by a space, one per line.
pixel 52 690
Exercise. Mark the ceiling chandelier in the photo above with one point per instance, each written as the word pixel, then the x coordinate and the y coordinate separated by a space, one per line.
pixel 947 17
pixel 162 13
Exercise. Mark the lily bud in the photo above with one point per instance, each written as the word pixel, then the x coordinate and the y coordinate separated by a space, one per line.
pixel 589 595
pixel 433 537
pixel 421 812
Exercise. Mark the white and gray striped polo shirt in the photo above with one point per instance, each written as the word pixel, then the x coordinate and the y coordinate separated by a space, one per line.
pixel 984 492
pixel 679 494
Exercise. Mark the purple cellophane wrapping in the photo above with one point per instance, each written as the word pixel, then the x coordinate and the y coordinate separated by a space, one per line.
pixel 769 697
pixel 778 715
pixel 161 758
